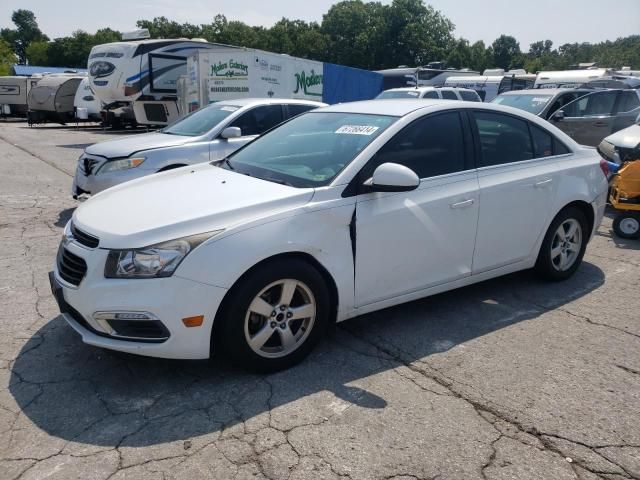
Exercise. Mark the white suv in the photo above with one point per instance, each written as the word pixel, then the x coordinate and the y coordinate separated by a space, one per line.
pixel 338 212
pixel 442 93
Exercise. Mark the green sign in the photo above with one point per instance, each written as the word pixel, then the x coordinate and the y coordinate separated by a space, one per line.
pixel 304 82
pixel 229 69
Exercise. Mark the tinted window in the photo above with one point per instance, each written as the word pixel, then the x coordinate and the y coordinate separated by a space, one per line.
pixel 430 146
pixel 449 95
pixel 469 96
pixel 559 148
pixel 600 103
pixel 430 94
pixel 542 142
pixel 258 120
pixel 628 102
pixel 503 139
pixel 298 109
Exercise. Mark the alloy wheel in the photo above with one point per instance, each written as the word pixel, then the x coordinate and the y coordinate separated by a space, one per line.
pixel 566 244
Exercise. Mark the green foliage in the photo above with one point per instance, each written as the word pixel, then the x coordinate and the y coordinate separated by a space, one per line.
pixel 7 57
pixel 506 53
pixel 26 31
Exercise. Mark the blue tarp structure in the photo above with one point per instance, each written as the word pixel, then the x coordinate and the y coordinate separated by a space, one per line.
pixel 346 84
pixel 28 70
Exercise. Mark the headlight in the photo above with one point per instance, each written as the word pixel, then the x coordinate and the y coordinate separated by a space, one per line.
pixel 123 164
pixel 155 261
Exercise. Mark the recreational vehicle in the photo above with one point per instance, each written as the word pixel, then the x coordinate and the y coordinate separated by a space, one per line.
pixel 492 83
pixel 569 78
pixel 87 106
pixel 419 76
pixel 13 95
pixel 140 70
pixel 52 98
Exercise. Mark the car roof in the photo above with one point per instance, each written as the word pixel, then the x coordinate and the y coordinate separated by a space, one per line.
pixel 547 91
pixel 422 88
pixel 246 102
pixel 400 107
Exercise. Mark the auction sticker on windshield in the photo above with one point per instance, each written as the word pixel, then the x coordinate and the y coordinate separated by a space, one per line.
pixel 357 129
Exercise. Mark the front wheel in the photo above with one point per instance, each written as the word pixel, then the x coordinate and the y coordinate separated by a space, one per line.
pixel 627 225
pixel 563 246
pixel 274 317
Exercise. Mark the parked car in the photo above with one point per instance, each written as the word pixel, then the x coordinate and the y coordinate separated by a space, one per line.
pixel 210 133
pixel 542 102
pixel 338 212
pixel 446 93
pixel 622 146
pixel 597 115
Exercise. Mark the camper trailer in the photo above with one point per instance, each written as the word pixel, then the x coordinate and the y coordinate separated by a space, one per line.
pixel 52 98
pixel 419 76
pixel 13 95
pixel 86 105
pixel 140 70
pixel 569 78
pixel 492 83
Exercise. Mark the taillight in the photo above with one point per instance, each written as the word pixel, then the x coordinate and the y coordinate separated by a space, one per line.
pixel 604 166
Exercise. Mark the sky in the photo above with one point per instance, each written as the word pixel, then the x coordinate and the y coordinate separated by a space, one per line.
pixel 564 21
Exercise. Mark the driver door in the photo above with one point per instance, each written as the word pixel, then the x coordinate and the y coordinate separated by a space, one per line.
pixel 409 241
pixel 590 118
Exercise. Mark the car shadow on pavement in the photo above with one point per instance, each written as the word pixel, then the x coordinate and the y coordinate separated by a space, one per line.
pixel 101 398
pixel 64 216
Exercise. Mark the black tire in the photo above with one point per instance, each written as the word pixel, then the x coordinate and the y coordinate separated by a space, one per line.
pixel 545 266
pixel 624 223
pixel 229 328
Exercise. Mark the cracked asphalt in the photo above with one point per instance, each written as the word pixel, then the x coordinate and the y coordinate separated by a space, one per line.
pixel 509 379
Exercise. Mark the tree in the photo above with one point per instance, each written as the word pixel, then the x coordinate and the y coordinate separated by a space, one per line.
pixel 7 58
pixel 481 57
pixel 26 32
pixel 38 53
pixel 506 52
pixel 460 54
pixel 162 27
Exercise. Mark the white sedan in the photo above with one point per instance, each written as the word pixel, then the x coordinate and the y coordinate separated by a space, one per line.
pixel 338 212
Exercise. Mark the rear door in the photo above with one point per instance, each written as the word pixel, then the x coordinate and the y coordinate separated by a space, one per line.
pixel 627 109
pixel 591 118
pixel 517 188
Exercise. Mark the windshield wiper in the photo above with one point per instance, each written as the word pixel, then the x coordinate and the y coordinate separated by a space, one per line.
pixel 274 180
pixel 228 163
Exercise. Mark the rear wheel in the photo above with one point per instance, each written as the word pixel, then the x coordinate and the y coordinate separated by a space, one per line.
pixel 275 316
pixel 627 225
pixel 563 245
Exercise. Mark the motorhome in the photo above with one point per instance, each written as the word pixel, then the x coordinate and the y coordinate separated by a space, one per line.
pixel 52 98
pixel 419 76
pixel 227 74
pixel 493 82
pixel 139 69
pixel 86 105
pixel 569 78
pixel 13 95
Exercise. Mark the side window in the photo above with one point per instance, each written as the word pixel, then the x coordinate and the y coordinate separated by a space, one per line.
pixel 430 94
pixel 297 109
pixel 629 101
pixel 430 146
pixel 469 96
pixel 449 95
pixel 503 139
pixel 559 148
pixel 599 103
pixel 258 120
pixel 542 142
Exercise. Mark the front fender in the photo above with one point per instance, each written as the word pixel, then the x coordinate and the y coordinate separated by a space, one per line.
pixel 188 154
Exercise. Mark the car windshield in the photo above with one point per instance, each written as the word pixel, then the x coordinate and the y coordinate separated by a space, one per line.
pixel 309 150
pixel 531 103
pixel 200 121
pixel 399 94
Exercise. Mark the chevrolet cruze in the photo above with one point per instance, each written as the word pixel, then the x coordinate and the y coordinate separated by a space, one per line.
pixel 338 212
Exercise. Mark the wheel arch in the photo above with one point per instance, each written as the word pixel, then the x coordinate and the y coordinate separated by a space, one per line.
pixel 585 208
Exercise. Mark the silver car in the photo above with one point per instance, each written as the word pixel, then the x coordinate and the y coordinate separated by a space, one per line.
pixel 209 134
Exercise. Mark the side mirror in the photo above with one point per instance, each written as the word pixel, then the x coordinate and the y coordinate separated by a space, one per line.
pixel 392 177
pixel 231 132
pixel 558 115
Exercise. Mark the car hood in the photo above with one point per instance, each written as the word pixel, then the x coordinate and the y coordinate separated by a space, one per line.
pixel 626 138
pixel 124 147
pixel 181 202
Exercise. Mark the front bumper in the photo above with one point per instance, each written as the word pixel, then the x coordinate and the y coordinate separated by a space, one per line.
pixel 168 299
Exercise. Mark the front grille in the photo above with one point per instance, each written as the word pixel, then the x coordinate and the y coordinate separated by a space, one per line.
pixel 71 268
pixel 149 330
pixel 84 238
pixel 88 165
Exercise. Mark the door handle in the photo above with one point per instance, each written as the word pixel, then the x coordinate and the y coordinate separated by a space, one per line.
pixel 463 204
pixel 543 183
pixel 600 124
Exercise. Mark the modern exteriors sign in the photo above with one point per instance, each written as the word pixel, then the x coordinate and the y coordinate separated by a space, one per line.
pixel 306 83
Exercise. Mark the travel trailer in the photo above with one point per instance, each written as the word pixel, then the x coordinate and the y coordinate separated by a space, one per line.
pixel 419 76
pixel 13 95
pixel 492 83
pixel 140 70
pixel 227 74
pixel 569 78
pixel 51 99
pixel 87 106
